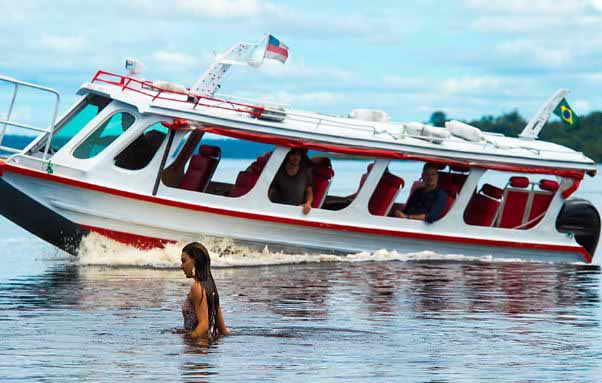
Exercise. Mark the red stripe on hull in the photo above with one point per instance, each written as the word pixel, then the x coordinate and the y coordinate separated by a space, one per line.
pixel 138 241
pixel 293 221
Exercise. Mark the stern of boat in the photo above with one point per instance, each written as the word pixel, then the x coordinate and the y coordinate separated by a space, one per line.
pixel 580 218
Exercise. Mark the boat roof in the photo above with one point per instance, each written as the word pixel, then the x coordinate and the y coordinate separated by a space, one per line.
pixel 261 122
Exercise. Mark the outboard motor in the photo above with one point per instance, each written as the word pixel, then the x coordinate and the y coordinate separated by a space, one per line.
pixel 580 217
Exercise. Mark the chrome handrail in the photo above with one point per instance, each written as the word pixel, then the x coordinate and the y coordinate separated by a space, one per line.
pixel 7 121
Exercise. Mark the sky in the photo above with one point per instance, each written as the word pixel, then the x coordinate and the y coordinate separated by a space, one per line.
pixel 468 58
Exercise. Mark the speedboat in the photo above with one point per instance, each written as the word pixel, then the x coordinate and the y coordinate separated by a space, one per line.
pixel 128 161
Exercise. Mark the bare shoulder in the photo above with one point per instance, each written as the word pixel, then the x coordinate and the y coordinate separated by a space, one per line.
pixel 197 292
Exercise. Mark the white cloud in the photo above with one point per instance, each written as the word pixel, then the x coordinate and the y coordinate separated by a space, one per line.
pixel 406 83
pixel 515 24
pixel 471 84
pixel 534 51
pixel 312 100
pixel 63 43
pixel 173 59
pixel 224 9
pixel 592 78
pixel 301 71
pixel 22 114
pixel 596 4
pixel 582 106
pixel 536 7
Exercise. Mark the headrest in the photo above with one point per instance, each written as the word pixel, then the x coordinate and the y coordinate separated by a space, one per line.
pixel 320 161
pixel 322 171
pixel 265 156
pixel 549 185
pixel 459 168
pixel 492 191
pixel 393 180
pixel 519 182
pixel 210 151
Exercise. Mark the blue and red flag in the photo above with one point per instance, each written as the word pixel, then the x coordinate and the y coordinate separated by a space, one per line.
pixel 276 49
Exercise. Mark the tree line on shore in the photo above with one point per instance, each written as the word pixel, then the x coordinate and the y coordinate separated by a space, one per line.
pixel 586 138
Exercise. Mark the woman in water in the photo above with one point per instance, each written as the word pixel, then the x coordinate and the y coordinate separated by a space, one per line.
pixel 201 310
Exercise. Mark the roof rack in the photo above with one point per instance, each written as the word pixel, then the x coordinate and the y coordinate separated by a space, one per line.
pixel 147 88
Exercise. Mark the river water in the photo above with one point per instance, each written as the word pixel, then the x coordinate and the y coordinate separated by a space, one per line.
pixel 108 314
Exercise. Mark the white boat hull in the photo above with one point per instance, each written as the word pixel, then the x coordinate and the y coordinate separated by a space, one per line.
pixel 147 221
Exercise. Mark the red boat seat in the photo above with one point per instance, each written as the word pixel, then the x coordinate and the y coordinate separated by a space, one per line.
pixel 385 193
pixel 482 207
pixel 459 175
pixel 322 174
pixel 259 163
pixel 246 179
pixel 445 181
pixel 201 168
pixel 541 201
pixel 244 183
pixel 515 202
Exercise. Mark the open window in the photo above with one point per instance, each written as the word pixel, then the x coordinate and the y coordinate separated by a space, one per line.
pixel 348 177
pixel 212 164
pixel 450 179
pixel 336 180
pixel 510 200
pixel 104 135
pixel 140 152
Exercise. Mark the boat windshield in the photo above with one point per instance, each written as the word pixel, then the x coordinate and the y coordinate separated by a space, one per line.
pixel 89 108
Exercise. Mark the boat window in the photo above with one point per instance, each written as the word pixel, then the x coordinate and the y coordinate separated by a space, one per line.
pixel 450 180
pixel 73 123
pixel 138 154
pixel 335 180
pixel 104 136
pixel 216 165
pixel 510 200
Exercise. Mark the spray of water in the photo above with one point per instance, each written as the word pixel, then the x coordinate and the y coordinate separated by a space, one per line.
pixel 96 249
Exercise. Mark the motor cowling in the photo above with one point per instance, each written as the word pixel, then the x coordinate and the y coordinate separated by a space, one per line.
pixel 579 217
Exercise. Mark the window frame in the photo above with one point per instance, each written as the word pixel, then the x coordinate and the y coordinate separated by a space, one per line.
pixel 106 119
pixel 134 138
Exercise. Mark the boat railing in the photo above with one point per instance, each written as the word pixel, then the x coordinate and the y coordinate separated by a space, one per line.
pixel 9 119
pixel 251 107
pixel 156 92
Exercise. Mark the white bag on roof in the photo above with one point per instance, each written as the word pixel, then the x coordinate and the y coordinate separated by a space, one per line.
pixel 433 131
pixel 465 131
pixel 369 115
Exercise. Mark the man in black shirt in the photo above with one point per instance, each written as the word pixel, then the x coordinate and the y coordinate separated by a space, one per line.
pixel 428 202
pixel 292 184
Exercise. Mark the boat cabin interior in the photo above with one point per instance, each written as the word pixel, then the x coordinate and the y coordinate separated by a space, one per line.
pixel 188 160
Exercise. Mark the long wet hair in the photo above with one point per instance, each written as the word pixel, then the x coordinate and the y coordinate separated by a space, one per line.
pixel 202 274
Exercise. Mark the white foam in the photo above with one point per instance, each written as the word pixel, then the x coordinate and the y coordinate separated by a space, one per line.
pixel 99 250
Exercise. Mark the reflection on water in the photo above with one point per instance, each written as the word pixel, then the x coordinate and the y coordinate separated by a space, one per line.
pixel 416 321
pixel 56 288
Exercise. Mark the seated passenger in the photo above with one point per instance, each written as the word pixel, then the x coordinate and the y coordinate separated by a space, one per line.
pixel 292 183
pixel 428 202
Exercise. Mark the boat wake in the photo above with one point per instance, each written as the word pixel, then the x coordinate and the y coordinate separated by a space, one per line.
pixel 97 250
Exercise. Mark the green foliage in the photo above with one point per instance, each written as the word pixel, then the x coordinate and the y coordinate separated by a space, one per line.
pixel 587 138
pixel 438 118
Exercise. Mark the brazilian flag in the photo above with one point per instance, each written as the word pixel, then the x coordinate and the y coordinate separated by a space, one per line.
pixel 566 114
